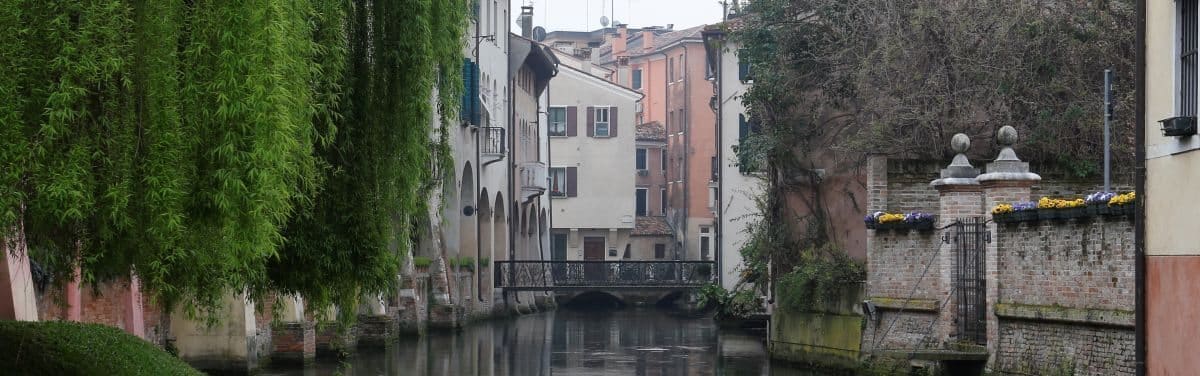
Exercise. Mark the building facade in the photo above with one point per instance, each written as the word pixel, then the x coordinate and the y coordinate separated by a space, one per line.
pixel 670 69
pixel 739 184
pixel 1172 165
pixel 592 139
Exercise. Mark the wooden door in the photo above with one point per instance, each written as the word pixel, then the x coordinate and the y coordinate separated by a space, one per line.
pixel 593 250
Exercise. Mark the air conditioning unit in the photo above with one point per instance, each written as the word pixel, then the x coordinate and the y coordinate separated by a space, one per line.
pixel 643 172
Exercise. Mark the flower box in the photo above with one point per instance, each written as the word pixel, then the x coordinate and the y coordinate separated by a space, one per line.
pixel 1006 217
pixel 1028 215
pixel 921 225
pixel 1097 209
pixel 898 225
pixel 1178 126
pixel 1047 214
pixel 1073 213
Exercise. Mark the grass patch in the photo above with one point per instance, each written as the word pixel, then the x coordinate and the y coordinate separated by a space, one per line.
pixel 422 262
pixel 68 348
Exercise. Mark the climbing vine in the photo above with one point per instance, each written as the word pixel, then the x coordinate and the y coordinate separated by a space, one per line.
pixel 835 81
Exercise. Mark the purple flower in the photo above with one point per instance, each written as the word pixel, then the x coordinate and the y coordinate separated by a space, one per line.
pixel 916 217
pixel 1099 198
pixel 1027 205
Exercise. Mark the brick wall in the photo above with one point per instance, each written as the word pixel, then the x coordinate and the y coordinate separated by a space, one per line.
pixel 1067 292
pixel 1029 347
pixel 1070 263
pixel 894 330
pixel 897 259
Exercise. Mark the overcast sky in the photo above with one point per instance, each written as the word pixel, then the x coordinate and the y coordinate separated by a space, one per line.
pixel 557 15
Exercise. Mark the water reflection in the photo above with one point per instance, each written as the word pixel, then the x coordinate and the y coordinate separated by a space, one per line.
pixel 627 342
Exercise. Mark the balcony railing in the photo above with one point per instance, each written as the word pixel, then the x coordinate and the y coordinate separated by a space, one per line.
pixel 493 141
pixel 533 177
pixel 561 275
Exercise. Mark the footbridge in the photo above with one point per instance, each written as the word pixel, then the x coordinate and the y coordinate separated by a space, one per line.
pixel 630 282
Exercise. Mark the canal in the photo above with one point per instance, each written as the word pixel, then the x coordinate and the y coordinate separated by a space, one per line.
pixel 565 342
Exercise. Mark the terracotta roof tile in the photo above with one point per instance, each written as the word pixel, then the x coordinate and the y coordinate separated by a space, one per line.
pixel 652 131
pixel 651 226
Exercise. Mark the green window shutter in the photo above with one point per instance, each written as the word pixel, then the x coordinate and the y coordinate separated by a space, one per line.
pixel 744 71
pixel 470 99
pixel 743 128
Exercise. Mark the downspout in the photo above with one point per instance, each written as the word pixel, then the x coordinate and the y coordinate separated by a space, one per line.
pixel 687 147
pixel 720 215
pixel 511 212
pixel 1139 218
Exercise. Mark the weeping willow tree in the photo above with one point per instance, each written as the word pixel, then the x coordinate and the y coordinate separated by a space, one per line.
pixel 217 146
pixel 349 240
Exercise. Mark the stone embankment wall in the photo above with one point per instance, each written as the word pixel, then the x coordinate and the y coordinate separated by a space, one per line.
pixel 258 334
pixel 1060 292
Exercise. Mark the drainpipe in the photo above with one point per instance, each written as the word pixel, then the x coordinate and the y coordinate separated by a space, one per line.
pixel 720 215
pixel 687 148
pixel 1139 221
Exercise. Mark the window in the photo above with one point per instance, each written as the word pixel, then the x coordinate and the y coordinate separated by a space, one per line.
pixel 637 79
pixel 705 243
pixel 671 69
pixel 639 159
pixel 641 194
pixel 660 251
pixel 712 197
pixel 628 252
pixel 1187 67
pixel 662 200
pixel 558 247
pixel 558 182
pixel 670 121
pixel 662 159
pixel 681 71
pixel 558 121
pixel 602 122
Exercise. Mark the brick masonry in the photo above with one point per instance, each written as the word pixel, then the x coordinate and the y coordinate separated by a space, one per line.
pixel 1071 282
pixel 293 342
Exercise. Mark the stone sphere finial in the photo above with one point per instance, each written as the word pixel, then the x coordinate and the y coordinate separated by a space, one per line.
pixel 1007 136
pixel 960 143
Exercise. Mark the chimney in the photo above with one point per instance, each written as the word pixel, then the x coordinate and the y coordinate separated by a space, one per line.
pixel 670 26
pixel 526 21
pixel 647 40
pixel 618 44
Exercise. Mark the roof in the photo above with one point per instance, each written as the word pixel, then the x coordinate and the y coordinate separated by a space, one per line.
pixel 652 131
pixel 651 226
pixel 661 41
pixel 634 43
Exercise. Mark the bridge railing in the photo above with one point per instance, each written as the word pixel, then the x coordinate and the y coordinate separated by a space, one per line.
pixel 551 275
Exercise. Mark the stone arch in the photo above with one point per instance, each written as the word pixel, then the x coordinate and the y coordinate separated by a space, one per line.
pixel 484 244
pixel 593 299
pixel 500 229
pixel 467 241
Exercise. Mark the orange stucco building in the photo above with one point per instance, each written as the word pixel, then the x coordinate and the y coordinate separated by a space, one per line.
pixel 670 68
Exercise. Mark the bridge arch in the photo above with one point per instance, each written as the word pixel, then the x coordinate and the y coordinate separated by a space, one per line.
pixel 485 242
pixel 592 299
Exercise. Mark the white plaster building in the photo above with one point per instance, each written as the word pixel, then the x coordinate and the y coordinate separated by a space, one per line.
pixel 737 187
pixel 591 129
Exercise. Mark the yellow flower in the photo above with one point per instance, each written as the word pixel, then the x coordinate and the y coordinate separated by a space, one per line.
pixel 888 218
pixel 1002 209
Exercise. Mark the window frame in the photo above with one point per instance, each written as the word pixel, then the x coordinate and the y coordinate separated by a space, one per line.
pixel 1181 74
pixel 643 163
pixel 644 195
pixel 705 241
pixel 662 198
pixel 596 111
pixel 660 251
pixel 551 173
pixel 551 123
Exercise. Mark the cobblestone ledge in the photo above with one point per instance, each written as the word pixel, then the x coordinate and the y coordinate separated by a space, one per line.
pixel 1098 317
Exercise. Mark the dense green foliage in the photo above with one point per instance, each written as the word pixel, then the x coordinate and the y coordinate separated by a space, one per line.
pixel 838 80
pixel 820 276
pixel 212 147
pixel 65 348
pixel 735 304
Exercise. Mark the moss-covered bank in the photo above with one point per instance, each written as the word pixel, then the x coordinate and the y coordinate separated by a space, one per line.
pixel 64 348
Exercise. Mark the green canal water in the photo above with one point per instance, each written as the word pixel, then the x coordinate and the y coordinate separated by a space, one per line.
pixel 625 342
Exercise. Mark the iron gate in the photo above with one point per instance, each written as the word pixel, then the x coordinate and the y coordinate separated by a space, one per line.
pixel 970 235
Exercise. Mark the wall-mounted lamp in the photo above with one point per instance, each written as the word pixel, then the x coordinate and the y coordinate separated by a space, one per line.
pixel 468 210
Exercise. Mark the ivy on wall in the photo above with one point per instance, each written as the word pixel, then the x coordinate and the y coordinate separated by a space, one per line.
pixel 212 147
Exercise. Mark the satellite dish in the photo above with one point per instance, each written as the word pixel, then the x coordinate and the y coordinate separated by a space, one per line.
pixel 604 21
pixel 539 33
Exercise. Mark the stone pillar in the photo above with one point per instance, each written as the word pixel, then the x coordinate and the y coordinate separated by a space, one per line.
pixel 293 337
pixel 134 316
pixel 228 346
pixel 442 310
pixel 1007 180
pixel 959 196
pixel 17 296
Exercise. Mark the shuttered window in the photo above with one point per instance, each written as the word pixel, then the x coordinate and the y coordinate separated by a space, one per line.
pixel 1187 57
pixel 637 79
pixel 469 113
